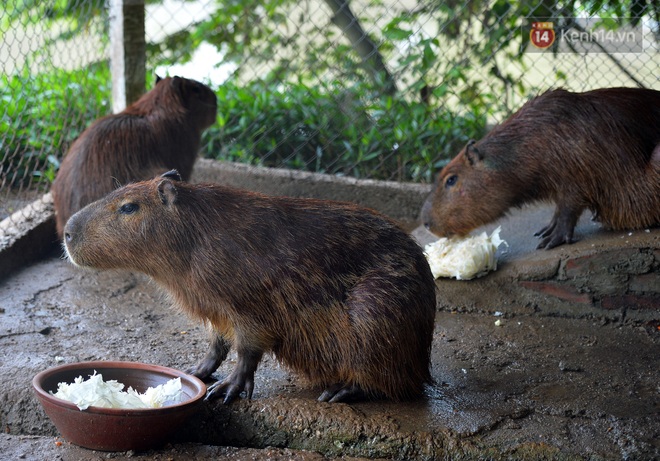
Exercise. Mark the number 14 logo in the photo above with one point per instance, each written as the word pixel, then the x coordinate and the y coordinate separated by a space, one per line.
pixel 542 34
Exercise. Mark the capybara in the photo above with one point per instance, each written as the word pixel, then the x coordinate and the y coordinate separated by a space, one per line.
pixel 160 131
pixel 340 294
pixel 598 150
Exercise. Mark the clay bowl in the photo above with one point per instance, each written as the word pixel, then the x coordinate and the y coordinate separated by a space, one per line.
pixel 110 429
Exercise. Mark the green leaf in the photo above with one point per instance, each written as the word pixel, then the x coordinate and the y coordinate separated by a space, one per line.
pixel 396 33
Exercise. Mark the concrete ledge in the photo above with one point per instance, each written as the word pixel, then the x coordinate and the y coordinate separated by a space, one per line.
pixel 27 235
pixel 400 201
pixel 613 276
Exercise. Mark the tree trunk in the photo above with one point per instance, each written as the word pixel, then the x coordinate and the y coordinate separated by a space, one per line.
pixel 372 60
pixel 128 51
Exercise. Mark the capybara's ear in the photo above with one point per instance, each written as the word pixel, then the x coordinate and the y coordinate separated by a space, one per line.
pixel 177 84
pixel 167 192
pixel 158 79
pixel 173 175
pixel 472 153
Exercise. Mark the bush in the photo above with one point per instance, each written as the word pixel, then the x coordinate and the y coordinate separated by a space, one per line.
pixel 42 114
pixel 341 131
pixel 338 130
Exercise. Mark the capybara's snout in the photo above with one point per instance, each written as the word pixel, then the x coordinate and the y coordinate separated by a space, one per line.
pixel 73 236
pixel 431 217
pixel 426 218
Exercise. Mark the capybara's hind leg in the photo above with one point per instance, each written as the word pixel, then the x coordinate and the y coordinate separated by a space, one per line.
pixel 240 380
pixel 215 356
pixel 342 393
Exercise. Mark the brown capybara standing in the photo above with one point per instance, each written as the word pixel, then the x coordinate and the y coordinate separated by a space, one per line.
pixel 338 293
pixel 598 150
pixel 160 131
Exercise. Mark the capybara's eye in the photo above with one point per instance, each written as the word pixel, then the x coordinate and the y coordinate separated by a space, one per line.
pixel 451 180
pixel 129 208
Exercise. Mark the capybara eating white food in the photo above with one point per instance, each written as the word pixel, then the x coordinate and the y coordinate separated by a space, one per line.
pixel 339 293
pixel 598 150
pixel 160 131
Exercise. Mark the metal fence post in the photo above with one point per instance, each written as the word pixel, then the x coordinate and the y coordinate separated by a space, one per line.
pixel 127 52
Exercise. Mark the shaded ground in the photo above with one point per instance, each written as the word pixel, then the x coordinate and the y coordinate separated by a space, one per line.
pixel 556 379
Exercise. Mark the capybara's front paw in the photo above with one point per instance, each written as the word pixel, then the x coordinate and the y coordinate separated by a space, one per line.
pixel 559 230
pixel 554 239
pixel 240 380
pixel 214 357
pixel 203 369
pixel 231 388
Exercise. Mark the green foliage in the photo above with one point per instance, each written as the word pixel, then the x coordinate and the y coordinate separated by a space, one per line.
pixel 240 28
pixel 74 15
pixel 42 114
pixel 353 132
pixel 320 108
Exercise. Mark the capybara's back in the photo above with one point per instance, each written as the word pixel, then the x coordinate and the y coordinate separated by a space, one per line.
pixel 339 293
pixel 598 150
pixel 160 131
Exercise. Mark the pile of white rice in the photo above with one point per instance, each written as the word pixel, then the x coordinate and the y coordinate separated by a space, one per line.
pixel 464 258
pixel 110 394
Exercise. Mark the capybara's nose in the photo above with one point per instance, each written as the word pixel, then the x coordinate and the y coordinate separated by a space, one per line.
pixel 426 215
pixel 425 220
pixel 69 232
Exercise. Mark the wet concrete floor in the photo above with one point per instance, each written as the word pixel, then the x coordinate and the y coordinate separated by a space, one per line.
pixel 510 383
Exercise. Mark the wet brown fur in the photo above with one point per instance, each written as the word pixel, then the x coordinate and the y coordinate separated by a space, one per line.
pixel 598 150
pixel 159 132
pixel 338 293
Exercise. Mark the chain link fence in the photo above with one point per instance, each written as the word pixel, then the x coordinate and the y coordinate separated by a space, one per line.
pixel 372 89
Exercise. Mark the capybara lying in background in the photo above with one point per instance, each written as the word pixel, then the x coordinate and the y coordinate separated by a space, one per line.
pixel 339 293
pixel 598 150
pixel 160 131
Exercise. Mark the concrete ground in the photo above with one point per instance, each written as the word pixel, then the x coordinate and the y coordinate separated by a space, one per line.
pixel 553 356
